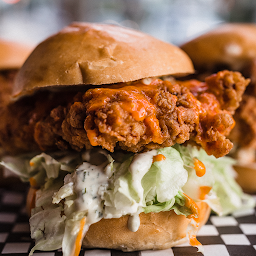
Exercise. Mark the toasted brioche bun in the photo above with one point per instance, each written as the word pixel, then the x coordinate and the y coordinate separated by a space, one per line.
pixel 96 54
pixel 13 54
pixel 229 44
pixel 157 230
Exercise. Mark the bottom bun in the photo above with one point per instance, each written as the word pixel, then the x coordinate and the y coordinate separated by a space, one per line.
pixel 246 177
pixel 157 231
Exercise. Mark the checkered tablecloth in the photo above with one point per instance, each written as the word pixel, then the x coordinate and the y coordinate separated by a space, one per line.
pixel 233 235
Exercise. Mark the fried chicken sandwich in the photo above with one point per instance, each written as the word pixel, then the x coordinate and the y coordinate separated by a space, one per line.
pixel 233 46
pixel 120 152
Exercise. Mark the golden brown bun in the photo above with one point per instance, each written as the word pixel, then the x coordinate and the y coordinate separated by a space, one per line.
pixel 229 44
pixel 13 54
pixel 157 231
pixel 87 53
pixel 246 177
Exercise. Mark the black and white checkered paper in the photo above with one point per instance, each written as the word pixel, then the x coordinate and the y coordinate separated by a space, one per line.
pixel 233 235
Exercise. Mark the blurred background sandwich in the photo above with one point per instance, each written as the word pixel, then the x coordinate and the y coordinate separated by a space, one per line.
pixel 12 56
pixel 233 47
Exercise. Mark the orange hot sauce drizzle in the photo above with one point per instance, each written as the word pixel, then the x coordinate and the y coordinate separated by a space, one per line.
pixel 195 216
pixel 79 238
pixel 203 191
pixel 193 241
pixel 158 157
pixel 142 110
pixel 92 136
pixel 191 204
pixel 31 200
pixel 199 167
pixel 133 100
pixel 32 182
pixel 194 86
pixel 153 124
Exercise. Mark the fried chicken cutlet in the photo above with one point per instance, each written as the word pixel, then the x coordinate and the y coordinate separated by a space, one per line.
pixel 136 116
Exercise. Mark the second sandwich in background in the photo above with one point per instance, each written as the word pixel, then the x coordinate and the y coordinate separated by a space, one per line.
pixel 12 56
pixel 233 47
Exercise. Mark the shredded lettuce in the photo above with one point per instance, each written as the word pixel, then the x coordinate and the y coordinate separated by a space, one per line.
pixel 226 195
pixel 167 176
pixel 18 165
pixel 177 203
pixel 96 184
pixel 48 234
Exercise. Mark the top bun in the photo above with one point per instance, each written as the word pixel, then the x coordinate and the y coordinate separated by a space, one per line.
pixel 13 54
pixel 229 44
pixel 87 53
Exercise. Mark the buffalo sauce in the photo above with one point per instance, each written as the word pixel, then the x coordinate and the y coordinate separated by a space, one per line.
pixel 199 167
pixel 140 101
pixel 31 200
pixel 92 136
pixel 159 157
pixel 193 241
pixel 203 191
pixel 195 222
pixel 131 99
pixel 191 204
pixel 153 124
pixel 33 182
pixel 210 104
pixel 79 238
pixel 195 86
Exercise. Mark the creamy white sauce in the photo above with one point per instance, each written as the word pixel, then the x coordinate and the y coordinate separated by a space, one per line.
pixel 134 222
pixel 90 184
pixel 140 165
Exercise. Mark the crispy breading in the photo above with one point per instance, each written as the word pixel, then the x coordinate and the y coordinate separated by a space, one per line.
pixel 134 117
pixel 244 133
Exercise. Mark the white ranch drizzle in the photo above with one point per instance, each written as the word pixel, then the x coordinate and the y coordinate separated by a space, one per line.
pixel 139 167
pixel 134 222
pixel 90 184
pixel 91 181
